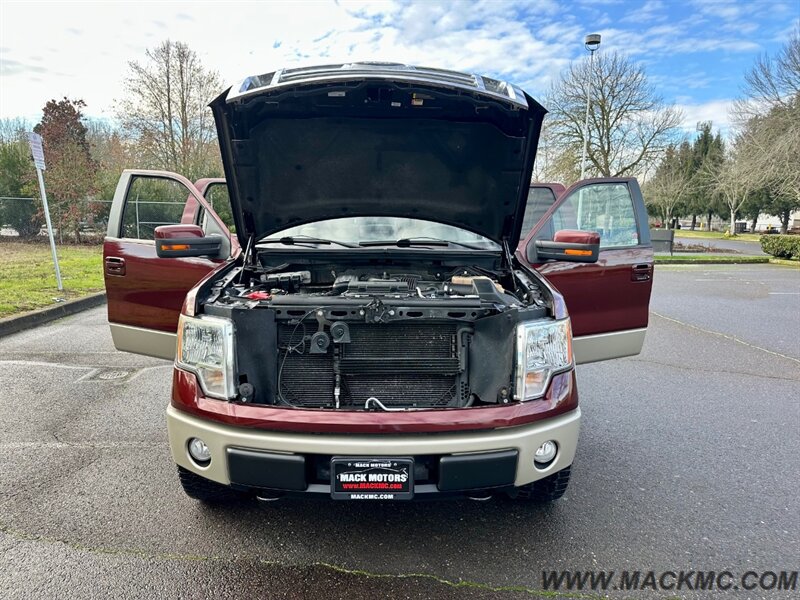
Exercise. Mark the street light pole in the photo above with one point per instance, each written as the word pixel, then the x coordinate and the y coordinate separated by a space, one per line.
pixel 591 43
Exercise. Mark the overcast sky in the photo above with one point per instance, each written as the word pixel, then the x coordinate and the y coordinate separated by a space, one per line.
pixel 696 51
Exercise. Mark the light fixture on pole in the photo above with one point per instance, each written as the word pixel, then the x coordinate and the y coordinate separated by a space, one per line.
pixel 591 43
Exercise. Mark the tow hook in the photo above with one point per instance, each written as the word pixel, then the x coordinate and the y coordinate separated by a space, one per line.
pixel 266 499
pixel 488 496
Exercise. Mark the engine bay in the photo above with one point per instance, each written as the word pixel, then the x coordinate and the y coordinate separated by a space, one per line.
pixel 463 282
pixel 397 335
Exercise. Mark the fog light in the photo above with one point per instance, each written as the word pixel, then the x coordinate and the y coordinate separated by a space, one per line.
pixel 545 453
pixel 199 451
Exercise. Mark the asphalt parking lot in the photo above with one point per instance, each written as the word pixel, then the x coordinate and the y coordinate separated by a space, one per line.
pixel 688 460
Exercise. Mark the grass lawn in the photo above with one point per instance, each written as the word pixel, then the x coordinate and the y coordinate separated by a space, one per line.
pixel 28 279
pixel 716 235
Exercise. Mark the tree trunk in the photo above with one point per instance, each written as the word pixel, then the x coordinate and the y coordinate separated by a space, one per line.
pixel 785 221
pixel 755 222
pixel 708 221
pixel 694 222
pixel 732 229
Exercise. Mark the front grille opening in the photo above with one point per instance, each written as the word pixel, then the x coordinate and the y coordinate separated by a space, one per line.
pixel 403 365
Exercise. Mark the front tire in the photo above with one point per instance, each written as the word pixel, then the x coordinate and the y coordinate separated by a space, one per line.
pixel 205 490
pixel 549 489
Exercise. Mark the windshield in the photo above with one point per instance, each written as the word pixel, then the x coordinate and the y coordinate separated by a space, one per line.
pixel 356 230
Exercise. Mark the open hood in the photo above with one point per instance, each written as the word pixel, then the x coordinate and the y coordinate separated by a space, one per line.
pixel 367 139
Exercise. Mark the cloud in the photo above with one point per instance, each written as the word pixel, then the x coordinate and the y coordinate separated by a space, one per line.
pixel 669 39
pixel 742 18
pixel 782 35
pixel 500 39
pixel 681 82
pixel 9 67
pixel 716 111
pixel 652 10
pixel 527 43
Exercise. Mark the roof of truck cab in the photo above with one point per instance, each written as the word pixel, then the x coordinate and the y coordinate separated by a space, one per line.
pixel 479 84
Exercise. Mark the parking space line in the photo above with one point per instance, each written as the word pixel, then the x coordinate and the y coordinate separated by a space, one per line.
pixel 726 336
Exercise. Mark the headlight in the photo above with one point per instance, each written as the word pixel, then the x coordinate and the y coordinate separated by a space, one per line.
pixel 205 347
pixel 543 348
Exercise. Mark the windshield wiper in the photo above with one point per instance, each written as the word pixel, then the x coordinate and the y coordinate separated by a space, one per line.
pixel 419 241
pixel 293 240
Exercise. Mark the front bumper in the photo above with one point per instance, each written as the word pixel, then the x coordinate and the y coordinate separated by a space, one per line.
pixel 560 398
pixel 280 449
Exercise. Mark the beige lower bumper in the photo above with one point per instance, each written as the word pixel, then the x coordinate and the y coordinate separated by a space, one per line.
pixel 526 438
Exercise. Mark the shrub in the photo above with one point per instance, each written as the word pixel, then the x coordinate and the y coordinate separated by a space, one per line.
pixel 781 246
pixel 22 214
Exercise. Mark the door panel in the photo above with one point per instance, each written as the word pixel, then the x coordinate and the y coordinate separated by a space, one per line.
pixel 145 293
pixel 608 301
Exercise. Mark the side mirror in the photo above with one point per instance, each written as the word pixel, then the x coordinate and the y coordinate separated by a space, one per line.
pixel 568 245
pixel 178 241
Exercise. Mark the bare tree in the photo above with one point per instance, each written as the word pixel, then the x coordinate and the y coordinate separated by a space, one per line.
pixel 165 110
pixel 630 126
pixel 112 152
pixel 671 183
pixel 13 130
pixel 733 182
pixel 773 82
pixel 769 123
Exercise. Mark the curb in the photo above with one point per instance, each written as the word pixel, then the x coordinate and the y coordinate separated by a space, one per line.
pixel 41 316
pixel 784 262
pixel 720 260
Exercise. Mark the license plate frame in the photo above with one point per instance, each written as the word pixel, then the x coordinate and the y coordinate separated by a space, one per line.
pixel 372 478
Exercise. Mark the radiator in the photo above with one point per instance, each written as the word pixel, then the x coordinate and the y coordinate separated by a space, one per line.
pixel 406 364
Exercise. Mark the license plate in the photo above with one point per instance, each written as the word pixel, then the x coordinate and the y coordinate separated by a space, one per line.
pixel 372 478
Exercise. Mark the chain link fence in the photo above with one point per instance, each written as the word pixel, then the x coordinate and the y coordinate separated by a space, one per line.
pixel 22 219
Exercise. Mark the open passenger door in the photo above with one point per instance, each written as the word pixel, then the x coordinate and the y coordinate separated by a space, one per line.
pixel 608 300
pixel 145 292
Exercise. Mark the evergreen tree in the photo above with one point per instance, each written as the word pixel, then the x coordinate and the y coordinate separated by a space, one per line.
pixel 708 152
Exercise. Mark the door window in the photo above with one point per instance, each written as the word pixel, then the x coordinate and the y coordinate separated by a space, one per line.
pixel 151 202
pixel 605 208
pixel 540 199
pixel 217 196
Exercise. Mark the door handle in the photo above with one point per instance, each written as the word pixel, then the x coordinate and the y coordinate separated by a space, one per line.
pixel 641 272
pixel 115 265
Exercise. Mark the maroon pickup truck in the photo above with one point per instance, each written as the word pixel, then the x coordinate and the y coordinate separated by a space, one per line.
pixel 398 314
